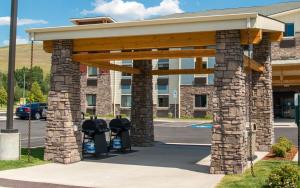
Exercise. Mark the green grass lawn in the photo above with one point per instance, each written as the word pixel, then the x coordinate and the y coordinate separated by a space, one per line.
pixel 262 170
pixel 37 158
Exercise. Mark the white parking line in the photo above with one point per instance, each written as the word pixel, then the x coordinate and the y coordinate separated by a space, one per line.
pixel 190 144
pixel 32 138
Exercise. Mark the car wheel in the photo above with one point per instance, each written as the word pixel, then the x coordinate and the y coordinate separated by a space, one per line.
pixel 37 116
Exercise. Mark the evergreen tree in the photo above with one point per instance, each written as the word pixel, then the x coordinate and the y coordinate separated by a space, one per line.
pixel 36 94
pixel 3 96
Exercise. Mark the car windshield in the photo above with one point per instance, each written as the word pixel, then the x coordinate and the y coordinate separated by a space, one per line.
pixel 32 105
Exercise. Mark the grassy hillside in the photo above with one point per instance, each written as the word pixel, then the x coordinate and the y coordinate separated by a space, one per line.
pixel 41 58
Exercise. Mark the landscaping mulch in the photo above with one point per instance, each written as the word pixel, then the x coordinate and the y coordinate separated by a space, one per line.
pixel 289 157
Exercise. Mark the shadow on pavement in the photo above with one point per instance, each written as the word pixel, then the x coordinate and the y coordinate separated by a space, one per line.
pixel 161 155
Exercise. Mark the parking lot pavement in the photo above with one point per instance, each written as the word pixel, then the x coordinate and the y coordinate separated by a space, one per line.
pixel 37 131
pixel 166 132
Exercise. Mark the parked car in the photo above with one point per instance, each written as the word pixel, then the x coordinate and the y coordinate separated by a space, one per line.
pixel 44 113
pixel 36 111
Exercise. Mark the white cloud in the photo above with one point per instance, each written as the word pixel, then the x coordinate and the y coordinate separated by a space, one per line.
pixel 19 40
pixel 5 20
pixel 132 10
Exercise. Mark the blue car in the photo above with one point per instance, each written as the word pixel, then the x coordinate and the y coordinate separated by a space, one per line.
pixel 36 111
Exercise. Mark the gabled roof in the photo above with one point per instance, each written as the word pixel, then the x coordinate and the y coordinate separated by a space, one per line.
pixel 264 10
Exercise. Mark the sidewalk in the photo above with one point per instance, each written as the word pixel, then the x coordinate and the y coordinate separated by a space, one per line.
pixel 162 166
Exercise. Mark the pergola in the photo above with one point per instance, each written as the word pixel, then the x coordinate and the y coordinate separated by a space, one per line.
pixel 220 36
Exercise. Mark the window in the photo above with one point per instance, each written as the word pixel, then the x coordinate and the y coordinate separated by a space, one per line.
pixel 163 100
pixel 127 63
pixel 125 86
pixel 91 82
pixel 163 64
pixel 210 79
pixel 126 101
pixel 163 85
pixel 187 63
pixel 91 100
pixel 211 62
pixel 289 30
pixel 92 72
pixel 200 81
pixel 200 101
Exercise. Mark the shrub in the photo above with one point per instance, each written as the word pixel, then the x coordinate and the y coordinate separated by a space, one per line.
pixel 284 176
pixel 279 150
pixel 286 143
pixel 170 115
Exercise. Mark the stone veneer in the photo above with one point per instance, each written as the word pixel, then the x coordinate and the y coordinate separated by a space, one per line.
pixel 262 96
pixel 228 150
pixel 102 92
pixel 142 131
pixel 279 53
pixel 187 100
pixel 63 144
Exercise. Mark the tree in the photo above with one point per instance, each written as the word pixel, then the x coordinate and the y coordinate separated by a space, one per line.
pixel 36 94
pixel 3 80
pixel 3 96
pixel 37 76
pixel 18 93
pixel 46 84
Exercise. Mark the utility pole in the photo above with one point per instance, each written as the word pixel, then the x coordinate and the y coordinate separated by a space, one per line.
pixel 11 68
pixel 24 84
pixel 10 138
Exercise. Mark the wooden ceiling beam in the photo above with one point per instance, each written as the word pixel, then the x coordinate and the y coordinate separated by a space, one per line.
pixel 178 40
pixel 251 36
pixel 182 71
pixel 276 36
pixel 252 64
pixel 114 67
pixel 146 42
pixel 142 55
pixel 288 67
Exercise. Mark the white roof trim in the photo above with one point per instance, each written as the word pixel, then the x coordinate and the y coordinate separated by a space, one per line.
pixel 285 13
pixel 158 26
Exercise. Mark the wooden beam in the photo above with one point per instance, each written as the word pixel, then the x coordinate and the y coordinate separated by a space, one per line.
pixel 182 71
pixel 109 66
pixel 146 42
pixel 250 63
pixel 286 80
pixel 276 36
pixel 178 40
pixel 251 36
pixel 287 67
pixel 48 46
pixel 141 55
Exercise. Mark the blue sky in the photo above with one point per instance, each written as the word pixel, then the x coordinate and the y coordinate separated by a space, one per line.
pixel 45 13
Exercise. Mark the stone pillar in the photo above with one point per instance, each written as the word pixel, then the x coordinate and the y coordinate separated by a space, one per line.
pixel 63 144
pixel 228 150
pixel 104 98
pixel 142 132
pixel 262 96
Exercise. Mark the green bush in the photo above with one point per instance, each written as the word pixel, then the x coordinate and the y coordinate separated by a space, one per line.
pixel 279 150
pixel 286 143
pixel 286 176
